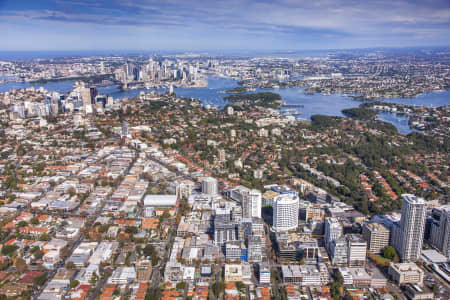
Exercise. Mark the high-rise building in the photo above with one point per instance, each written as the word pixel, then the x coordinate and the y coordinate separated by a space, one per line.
pixel 250 199
pixel 338 251
pixel 88 95
pixel 209 186
pixel 333 231
pixel 285 212
pixel 440 229
pixel 251 206
pixel 233 250
pixel 376 235
pixel 225 229
pixel 254 248
pixel 356 250
pixel 408 235
pixel 125 130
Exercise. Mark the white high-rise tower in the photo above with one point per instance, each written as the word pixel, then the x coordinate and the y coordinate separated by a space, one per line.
pixel 285 212
pixel 209 186
pixel 409 234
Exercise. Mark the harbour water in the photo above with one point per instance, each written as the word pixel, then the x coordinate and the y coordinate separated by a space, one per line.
pixel 311 104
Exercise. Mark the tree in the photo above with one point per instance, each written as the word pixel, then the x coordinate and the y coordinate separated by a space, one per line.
pixel 181 285
pixel 70 265
pixel 21 265
pixel 240 285
pixel 44 237
pixel 219 287
pixel 22 224
pixel 335 290
pixel 149 250
pixel 131 230
pixel 40 280
pixel 74 284
pixel 389 252
pixel 348 297
pixel 9 250
pixel 339 278
pixel 34 221
pixel 116 292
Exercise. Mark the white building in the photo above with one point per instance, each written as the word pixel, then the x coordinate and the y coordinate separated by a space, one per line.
pixel 251 200
pixel 333 231
pixel 408 235
pixel 123 275
pixel 210 186
pixel 404 273
pixel 339 252
pixel 356 248
pixel 285 212
pixel 264 273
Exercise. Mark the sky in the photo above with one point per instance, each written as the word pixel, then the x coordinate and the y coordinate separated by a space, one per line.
pixel 202 25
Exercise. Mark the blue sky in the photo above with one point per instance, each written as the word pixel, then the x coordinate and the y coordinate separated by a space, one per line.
pixel 222 25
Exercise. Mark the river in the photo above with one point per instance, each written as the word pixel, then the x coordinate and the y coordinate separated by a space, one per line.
pixel 311 104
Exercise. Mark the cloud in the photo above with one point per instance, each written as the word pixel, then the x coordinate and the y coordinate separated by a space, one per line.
pixel 290 22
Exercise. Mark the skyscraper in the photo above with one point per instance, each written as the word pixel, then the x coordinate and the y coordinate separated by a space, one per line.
pixel 251 206
pixel 209 186
pixel 250 199
pixel 285 212
pixel 408 235
pixel 440 229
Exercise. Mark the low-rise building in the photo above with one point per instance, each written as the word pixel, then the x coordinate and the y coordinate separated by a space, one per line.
pixel 233 273
pixel 404 273
pixel 264 273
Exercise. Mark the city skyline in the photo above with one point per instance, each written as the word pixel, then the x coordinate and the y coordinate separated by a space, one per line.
pixel 216 25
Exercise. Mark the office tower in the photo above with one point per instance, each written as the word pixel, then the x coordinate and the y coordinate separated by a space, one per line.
pixel 338 251
pixel 376 235
pixel 233 250
pixel 440 229
pixel 333 231
pixel 356 250
pixel 285 212
pixel 254 249
pixel 125 130
pixel 408 235
pixel 88 95
pixel 251 205
pixel 310 251
pixel 209 186
pixel 257 226
pixel 224 229
pixel 250 200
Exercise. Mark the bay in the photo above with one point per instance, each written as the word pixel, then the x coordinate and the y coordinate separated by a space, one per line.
pixel 311 104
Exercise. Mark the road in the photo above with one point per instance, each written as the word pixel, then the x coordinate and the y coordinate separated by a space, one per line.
pixel 74 245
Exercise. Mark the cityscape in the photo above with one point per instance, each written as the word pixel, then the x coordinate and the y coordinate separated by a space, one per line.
pixel 239 166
